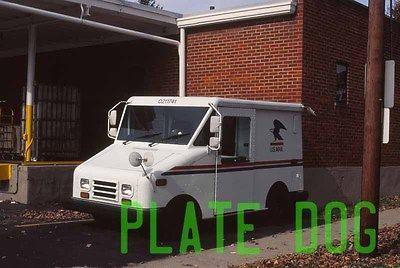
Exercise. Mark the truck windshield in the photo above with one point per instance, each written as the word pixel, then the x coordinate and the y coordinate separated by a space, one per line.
pixel 160 124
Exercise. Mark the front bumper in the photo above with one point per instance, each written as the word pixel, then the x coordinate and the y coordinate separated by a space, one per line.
pixel 101 209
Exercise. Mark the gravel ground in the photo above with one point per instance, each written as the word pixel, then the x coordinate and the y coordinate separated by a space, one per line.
pixel 388 255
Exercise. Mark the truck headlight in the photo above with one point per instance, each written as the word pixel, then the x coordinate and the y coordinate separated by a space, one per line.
pixel 127 189
pixel 85 184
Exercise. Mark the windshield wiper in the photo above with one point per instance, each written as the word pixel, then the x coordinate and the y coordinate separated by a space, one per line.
pixel 173 137
pixel 143 137
pixel 149 135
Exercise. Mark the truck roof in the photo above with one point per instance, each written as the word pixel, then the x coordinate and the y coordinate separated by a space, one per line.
pixel 218 102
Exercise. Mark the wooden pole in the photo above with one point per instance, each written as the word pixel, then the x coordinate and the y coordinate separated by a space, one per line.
pixel 372 117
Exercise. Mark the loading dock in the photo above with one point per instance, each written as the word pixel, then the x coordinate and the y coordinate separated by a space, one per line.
pixel 64 63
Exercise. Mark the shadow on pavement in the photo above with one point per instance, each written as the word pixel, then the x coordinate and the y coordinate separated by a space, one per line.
pixel 92 244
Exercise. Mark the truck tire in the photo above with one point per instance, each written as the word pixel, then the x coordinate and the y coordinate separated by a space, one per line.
pixel 278 203
pixel 172 218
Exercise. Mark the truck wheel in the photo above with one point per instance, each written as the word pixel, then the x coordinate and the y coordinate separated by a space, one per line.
pixel 278 203
pixel 173 217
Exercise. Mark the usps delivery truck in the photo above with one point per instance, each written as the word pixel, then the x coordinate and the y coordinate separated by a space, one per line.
pixel 171 150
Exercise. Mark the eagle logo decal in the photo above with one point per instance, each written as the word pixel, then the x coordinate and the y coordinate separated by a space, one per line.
pixel 277 129
pixel 277 144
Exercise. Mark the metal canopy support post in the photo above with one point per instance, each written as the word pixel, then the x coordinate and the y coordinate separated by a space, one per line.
pixel 182 64
pixel 30 91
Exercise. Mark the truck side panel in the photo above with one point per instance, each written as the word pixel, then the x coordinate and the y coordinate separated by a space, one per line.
pixel 278 152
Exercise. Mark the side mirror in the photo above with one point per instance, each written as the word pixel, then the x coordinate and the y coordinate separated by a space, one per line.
pixel 135 159
pixel 215 124
pixel 112 132
pixel 112 118
pixel 112 121
pixel 214 143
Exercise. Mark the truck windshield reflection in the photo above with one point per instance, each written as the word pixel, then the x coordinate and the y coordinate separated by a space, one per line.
pixel 160 124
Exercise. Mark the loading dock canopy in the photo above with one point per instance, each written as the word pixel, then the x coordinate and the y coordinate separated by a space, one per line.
pixel 56 34
pixel 31 27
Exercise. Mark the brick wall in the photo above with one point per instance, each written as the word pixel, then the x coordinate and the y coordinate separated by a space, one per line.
pixel 337 31
pixel 294 59
pixel 260 59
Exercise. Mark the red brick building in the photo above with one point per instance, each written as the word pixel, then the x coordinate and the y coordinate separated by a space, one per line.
pixel 308 51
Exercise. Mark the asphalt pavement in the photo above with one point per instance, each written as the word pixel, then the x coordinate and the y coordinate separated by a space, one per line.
pixel 80 242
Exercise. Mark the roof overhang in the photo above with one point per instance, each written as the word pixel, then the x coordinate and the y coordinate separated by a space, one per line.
pixel 56 34
pixel 127 8
pixel 269 9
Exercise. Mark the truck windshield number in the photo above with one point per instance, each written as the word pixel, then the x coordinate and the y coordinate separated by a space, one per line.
pixel 167 101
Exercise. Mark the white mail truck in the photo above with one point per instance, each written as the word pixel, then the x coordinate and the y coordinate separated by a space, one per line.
pixel 171 150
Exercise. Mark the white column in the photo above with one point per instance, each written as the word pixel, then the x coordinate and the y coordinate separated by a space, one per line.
pixel 30 91
pixel 182 64
pixel 31 65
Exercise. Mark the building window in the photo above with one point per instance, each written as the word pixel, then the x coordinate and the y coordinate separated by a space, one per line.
pixel 341 82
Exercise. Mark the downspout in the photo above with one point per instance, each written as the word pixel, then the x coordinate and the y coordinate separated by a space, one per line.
pixel 182 63
pixel 30 91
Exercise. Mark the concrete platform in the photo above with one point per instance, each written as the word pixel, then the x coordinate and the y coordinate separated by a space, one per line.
pixel 47 182
pixel 38 183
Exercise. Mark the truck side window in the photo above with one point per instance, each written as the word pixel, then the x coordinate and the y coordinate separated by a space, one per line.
pixel 235 139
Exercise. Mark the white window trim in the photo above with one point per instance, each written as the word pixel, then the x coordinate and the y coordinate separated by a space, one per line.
pixel 276 8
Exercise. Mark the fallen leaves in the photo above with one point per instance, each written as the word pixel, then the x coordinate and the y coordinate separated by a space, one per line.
pixel 51 215
pixel 14 213
pixel 389 202
pixel 388 255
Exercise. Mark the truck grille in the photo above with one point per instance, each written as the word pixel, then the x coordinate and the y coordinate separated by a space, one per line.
pixel 105 190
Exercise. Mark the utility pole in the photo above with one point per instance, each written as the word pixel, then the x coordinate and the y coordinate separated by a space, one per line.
pixel 372 117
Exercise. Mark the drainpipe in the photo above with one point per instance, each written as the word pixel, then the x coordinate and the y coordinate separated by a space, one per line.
pixel 30 91
pixel 182 64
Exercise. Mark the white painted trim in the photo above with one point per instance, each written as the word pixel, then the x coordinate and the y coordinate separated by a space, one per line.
pixel 276 8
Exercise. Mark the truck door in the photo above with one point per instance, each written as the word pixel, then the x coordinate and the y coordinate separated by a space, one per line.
pixel 235 170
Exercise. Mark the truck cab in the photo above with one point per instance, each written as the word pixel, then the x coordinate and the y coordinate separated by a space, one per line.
pixel 169 150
